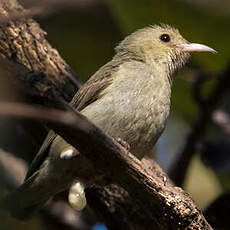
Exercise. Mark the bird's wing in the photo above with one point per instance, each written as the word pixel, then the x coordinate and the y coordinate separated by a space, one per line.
pixel 90 91
pixel 41 155
pixel 87 94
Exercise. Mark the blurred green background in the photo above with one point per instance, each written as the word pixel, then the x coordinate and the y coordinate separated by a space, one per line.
pixel 85 33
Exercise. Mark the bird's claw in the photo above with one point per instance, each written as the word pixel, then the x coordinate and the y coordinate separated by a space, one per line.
pixel 77 197
pixel 123 143
pixel 69 153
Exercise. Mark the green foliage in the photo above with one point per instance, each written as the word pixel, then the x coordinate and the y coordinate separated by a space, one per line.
pixel 85 39
pixel 182 101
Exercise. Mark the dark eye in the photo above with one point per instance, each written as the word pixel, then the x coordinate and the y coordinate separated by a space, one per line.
pixel 165 38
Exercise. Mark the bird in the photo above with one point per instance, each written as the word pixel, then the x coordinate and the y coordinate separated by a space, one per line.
pixel 128 98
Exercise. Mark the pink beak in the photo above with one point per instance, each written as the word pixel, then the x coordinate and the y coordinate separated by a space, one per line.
pixel 195 47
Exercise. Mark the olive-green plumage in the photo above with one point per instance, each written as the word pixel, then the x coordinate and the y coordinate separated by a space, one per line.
pixel 128 98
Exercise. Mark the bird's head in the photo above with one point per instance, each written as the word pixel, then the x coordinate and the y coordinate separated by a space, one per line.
pixel 162 45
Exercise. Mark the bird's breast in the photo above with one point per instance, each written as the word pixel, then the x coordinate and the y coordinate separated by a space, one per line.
pixel 134 109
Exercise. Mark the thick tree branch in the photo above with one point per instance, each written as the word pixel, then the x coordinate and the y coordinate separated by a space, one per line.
pixel 29 58
pixel 166 206
pixel 30 65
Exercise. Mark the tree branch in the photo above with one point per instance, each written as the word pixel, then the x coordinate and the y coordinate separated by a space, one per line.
pixel 29 58
pixel 166 206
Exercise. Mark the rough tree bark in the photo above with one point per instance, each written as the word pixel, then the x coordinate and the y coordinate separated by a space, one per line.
pixel 30 58
pixel 32 66
pixel 143 197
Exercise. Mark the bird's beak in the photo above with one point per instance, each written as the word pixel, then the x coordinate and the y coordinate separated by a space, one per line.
pixel 195 47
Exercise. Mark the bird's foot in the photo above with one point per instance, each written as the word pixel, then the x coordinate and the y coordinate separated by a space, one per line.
pixel 69 153
pixel 77 196
pixel 123 143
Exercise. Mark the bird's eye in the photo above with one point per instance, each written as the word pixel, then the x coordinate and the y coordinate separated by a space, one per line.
pixel 165 38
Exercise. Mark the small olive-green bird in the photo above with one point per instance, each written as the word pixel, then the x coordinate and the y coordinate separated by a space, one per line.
pixel 128 98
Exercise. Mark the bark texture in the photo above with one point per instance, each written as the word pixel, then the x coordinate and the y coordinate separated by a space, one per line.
pixel 29 58
pixel 125 192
